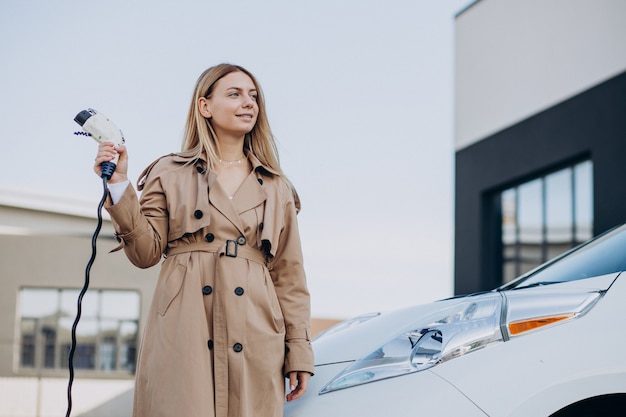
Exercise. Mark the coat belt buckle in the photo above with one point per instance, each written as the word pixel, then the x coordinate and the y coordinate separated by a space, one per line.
pixel 231 248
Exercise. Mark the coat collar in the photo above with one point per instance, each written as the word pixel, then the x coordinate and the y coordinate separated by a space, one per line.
pixel 250 193
pixel 257 166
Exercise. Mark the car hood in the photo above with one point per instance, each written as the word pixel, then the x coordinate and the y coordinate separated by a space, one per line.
pixel 356 341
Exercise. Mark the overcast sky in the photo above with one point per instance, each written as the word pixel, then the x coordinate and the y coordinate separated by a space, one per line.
pixel 359 96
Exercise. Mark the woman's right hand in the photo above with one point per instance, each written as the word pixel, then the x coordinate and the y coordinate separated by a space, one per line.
pixel 107 152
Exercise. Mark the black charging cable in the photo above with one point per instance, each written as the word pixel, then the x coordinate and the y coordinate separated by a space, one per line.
pixel 106 175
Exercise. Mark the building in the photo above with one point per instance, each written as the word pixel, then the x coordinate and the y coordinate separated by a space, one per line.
pixel 540 115
pixel 45 247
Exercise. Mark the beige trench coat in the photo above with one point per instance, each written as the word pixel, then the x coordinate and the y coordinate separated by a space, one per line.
pixel 230 315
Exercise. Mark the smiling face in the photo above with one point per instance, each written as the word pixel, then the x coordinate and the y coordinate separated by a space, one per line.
pixel 231 107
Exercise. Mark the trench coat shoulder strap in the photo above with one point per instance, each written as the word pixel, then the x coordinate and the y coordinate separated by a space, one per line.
pixel 141 182
pixel 261 169
pixel 296 199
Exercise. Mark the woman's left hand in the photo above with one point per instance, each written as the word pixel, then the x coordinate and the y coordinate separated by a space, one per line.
pixel 298 382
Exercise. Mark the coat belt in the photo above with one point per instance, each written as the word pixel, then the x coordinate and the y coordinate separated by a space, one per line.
pixel 231 248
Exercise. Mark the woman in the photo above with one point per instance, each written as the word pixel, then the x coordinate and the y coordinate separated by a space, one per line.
pixel 230 316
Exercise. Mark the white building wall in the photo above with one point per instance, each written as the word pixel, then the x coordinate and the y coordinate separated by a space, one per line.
pixel 516 58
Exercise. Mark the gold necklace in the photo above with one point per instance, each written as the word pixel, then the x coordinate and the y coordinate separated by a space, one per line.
pixel 234 161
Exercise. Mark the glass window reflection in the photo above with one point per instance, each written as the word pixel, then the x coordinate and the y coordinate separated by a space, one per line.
pixel 530 215
pixel 545 217
pixel 559 213
pixel 106 334
pixel 583 201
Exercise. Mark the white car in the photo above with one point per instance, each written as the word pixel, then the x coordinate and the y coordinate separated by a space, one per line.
pixel 550 343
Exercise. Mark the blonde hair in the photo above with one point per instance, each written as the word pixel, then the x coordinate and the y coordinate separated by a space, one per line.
pixel 200 139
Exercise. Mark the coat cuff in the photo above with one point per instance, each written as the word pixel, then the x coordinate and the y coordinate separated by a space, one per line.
pixel 123 223
pixel 298 352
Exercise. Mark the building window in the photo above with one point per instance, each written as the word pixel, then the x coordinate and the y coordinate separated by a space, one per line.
pixel 545 217
pixel 106 335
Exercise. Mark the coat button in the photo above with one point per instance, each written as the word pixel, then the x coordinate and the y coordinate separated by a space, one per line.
pixel 241 240
pixel 197 214
pixel 206 290
pixel 210 344
pixel 239 291
pixel 209 237
pixel 261 226
pixel 237 347
pixel 260 180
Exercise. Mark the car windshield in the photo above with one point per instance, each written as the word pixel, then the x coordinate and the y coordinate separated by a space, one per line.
pixel 603 255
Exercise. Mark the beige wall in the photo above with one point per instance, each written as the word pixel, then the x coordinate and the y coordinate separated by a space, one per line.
pixel 58 262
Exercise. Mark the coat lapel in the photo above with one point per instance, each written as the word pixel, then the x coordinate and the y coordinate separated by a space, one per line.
pixel 249 195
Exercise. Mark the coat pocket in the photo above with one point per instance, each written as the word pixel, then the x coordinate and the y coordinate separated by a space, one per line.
pixel 274 304
pixel 171 288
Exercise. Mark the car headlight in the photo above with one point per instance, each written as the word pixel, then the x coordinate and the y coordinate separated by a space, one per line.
pixel 465 327
pixel 458 330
